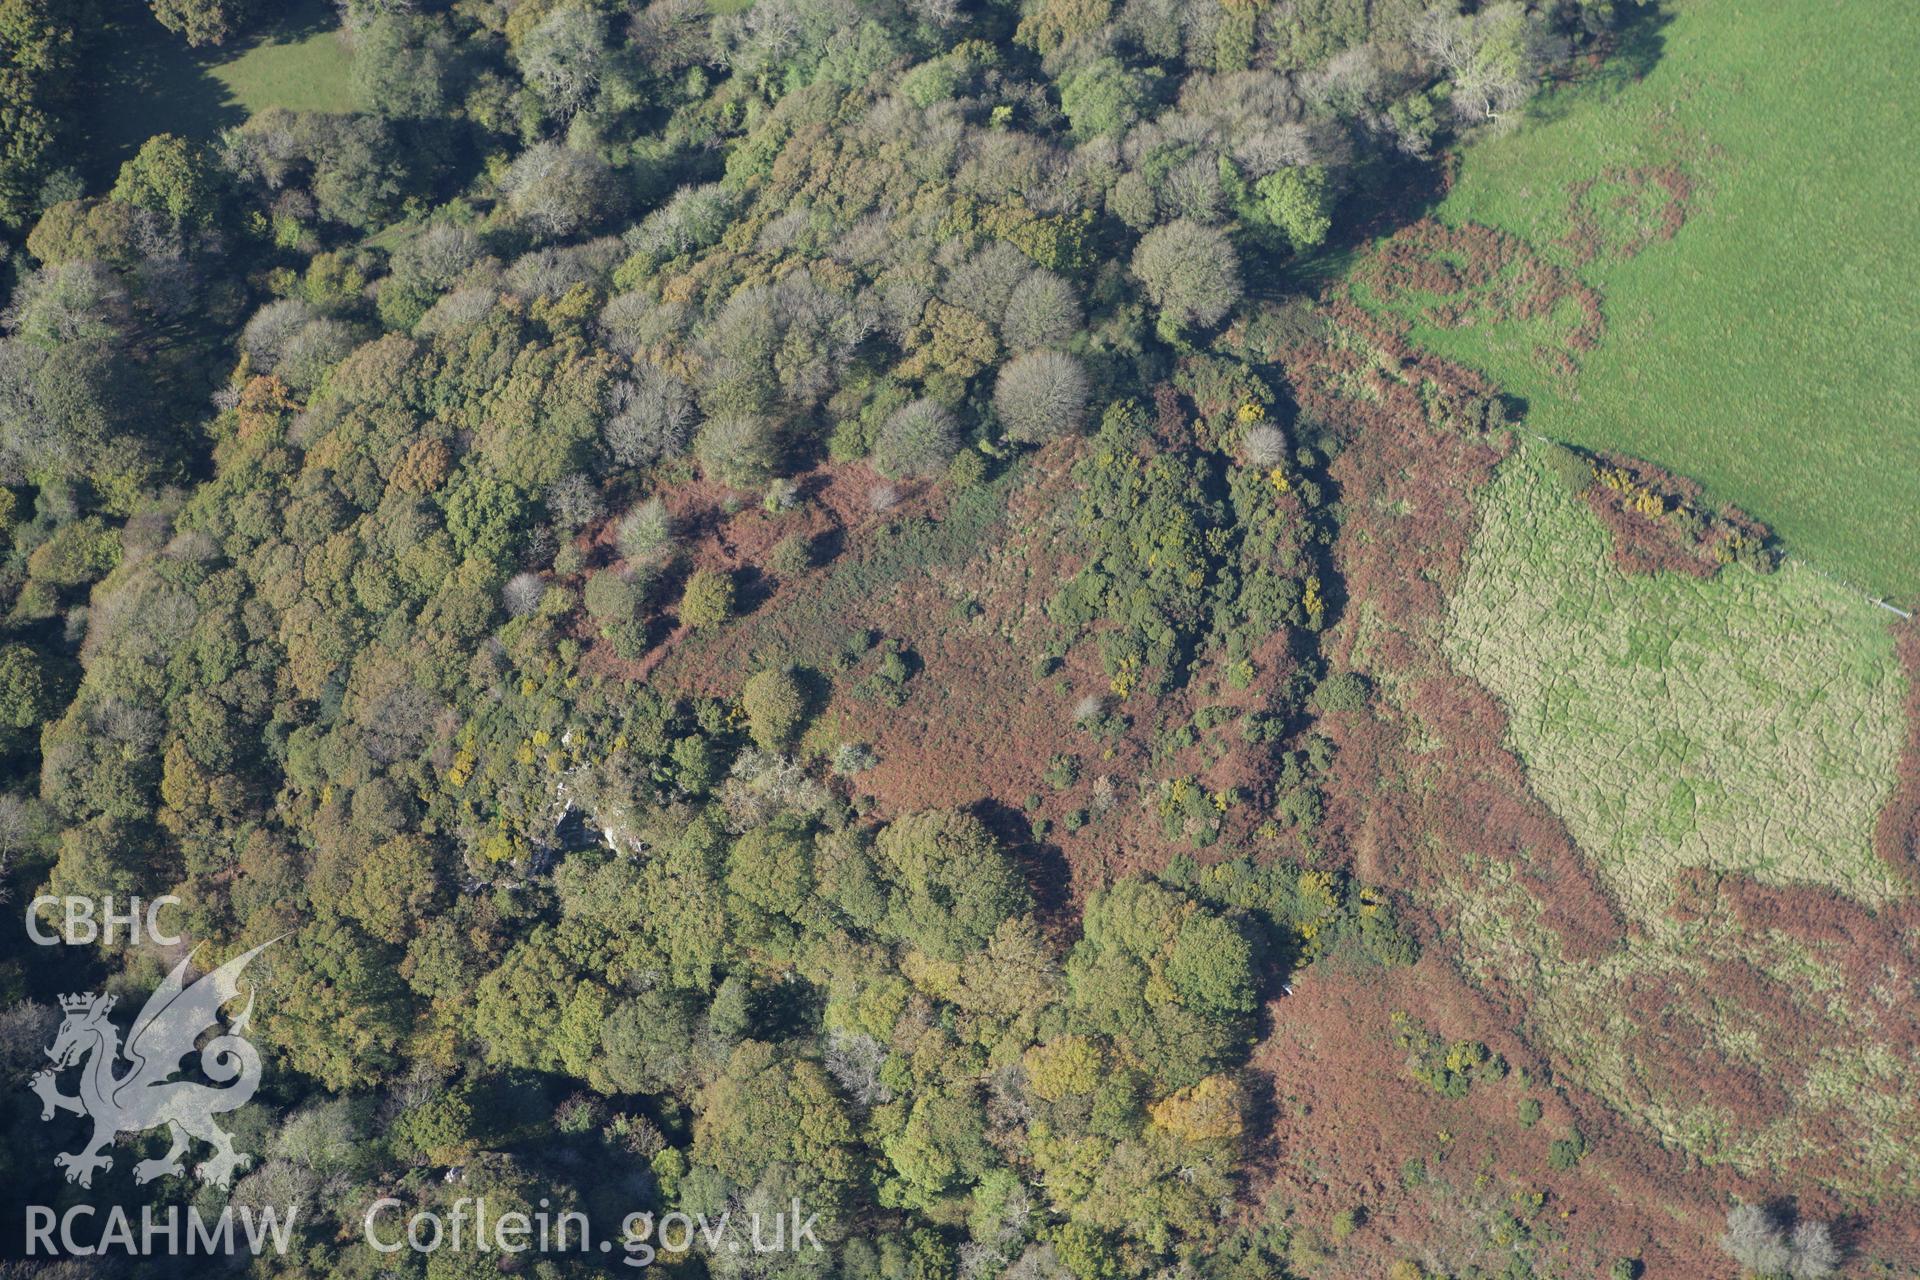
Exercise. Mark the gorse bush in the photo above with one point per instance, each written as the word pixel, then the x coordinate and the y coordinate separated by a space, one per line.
pixel 708 599
pixel 1342 691
pixel 1190 272
pixel 792 555
pixel 611 597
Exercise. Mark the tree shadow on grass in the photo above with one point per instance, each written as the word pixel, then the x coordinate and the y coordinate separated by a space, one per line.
pixel 140 79
pixel 1637 46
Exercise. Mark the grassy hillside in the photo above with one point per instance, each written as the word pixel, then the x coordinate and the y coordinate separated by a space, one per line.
pixel 1690 733
pixel 1766 349
pixel 1746 723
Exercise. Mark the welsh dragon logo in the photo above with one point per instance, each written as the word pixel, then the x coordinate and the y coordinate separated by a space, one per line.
pixel 144 1095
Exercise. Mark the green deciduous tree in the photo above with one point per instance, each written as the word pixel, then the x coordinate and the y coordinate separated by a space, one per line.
pixel 646 1042
pixel 403 65
pixel 1298 203
pixel 339 1009
pixel 775 705
pixel 202 21
pixel 1104 97
pixel 1165 977
pixel 170 176
pixel 708 598
pixel 942 1147
pixel 484 515
pixel 765 1110
pixel 1190 272
pixel 539 1009
pixel 953 884
pixel 770 883
pixel 394 887
pixel 25 698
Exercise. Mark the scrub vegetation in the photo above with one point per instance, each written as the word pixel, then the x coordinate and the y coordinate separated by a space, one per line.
pixel 932 610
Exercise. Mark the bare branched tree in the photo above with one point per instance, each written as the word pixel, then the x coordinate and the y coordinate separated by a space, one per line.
pixel 1266 445
pixel 1494 57
pixel 1759 1241
pixel 1814 1255
pixel 521 595
pixel 1040 395
pixel 854 1060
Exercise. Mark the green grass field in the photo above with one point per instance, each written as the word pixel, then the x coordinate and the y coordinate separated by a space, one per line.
pixel 1750 722
pixel 151 82
pixel 303 71
pixel 1768 349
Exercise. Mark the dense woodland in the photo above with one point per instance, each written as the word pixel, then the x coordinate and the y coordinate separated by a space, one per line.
pixel 343 455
